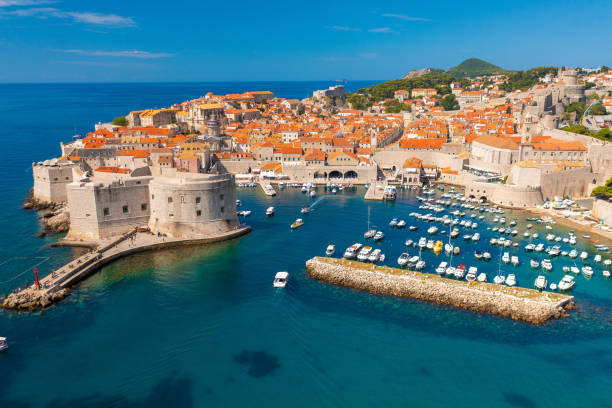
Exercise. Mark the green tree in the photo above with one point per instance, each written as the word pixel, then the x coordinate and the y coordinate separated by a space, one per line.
pixel 358 101
pixel 120 121
pixel 598 109
pixel 578 107
pixel 604 69
pixel 394 106
pixel 449 102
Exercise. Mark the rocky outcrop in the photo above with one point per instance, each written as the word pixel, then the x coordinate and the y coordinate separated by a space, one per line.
pixel 55 216
pixel 32 299
pixel 522 304
pixel 58 222
pixel 417 73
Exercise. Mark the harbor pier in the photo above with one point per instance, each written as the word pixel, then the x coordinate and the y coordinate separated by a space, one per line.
pixel 55 286
pixel 268 189
pixel 376 192
pixel 526 305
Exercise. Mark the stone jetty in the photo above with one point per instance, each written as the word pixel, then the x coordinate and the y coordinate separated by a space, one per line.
pixel 527 305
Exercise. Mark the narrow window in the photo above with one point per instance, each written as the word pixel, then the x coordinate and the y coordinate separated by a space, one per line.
pixel 169 200
pixel 197 200
pixel 143 207
pixel 125 209
pixel 199 212
pixel 106 211
pixel 222 209
pixel 221 196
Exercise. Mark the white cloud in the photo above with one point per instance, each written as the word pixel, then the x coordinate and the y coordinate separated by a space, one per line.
pixel 107 20
pixel 21 3
pixel 344 28
pixel 122 54
pixel 405 17
pixel 381 30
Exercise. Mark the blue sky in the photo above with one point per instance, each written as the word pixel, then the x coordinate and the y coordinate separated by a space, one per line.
pixel 134 40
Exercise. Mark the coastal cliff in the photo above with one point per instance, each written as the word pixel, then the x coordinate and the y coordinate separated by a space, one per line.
pixel 55 217
pixel 521 304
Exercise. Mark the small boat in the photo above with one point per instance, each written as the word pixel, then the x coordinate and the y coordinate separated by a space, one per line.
pixel 529 247
pixel 514 260
pixel 313 193
pixel 305 210
pixel 393 222
pixel 409 242
pixel 334 191
pixel 506 258
pixel 587 271
pixel 430 244
pixel 364 254
pixel 280 280
pixel 401 224
pixel 422 242
pixel 460 271
pixel 486 256
pixel 499 279
pixel 375 255
pixel 605 273
pixel 269 211
pixel 413 228
pixel 534 263
pixel 420 265
pixel 403 259
pixel 298 223
pixel 574 269
pixel 438 247
pixel 573 254
pixel 553 286
pixel 441 268
pixel 450 271
pixel 331 249
pixel 541 282
pixel 432 230
pixel 482 277
pixel 565 269
pixel 539 247
pixel 597 258
pixel 456 250
pixel 3 345
pixel 351 251
pixel 472 273
pixel 369 234
pixel 511 280
pixel 245 213
pixel 584 255
pixel 378 236
pixel 454 233
pixel 478 254
pixel 476 237
pixel 567 282
pixel 547 265
pixel 413 261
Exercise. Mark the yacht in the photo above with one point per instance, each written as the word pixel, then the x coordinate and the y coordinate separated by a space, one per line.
pixel 413 261
pixel 375 255
pixel 401 224
pixel 364 253
pixel 472 273
pixel 378 236
pixel 546 265
pixel 597 258
pixel 369 234
pixel 514 260
pixel 351 251
pixel 587 271
pixel 567 282
pixel 280 280
pixel 486 256
pixel 499 279
pixel 573 254
pixel 506 258
pixel 529 247
pixel 511 280
pixel 540 282
pixel 441 268
pixel 403 259
pixel 298 223
pixel 539 247
pixel 331 249
pixel 574 269
pixel 460 271
pixel 422 242
pixel 432 230
pixel 534 263
pixel 270 211
pixel 430 244
pixel 584 255
pixel 420 265
pixel 390 193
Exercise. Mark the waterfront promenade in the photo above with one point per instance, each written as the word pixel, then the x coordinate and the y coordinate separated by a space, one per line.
pixel 54 286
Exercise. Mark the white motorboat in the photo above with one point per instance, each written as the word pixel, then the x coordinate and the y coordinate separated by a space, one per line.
pixel 413 228
pixel 605 273
pixel 245 213
pixel 472 273
pixel 486 256
pixel 597 258
pixel 369 234
pixel 493 241
pixel 566 283
pixel 467 237
pixel 430 244
pixel 587 271
pixel 401 224
pixel 546 265
pixel 541 282
pixel 280 280
pixel 506 257
pixel 573 254
pixel 313 193
pixel 482 277
pixel 3 345
pixel 607 262
pixel 364 254
pixel 450 271
pixel 441 268
pixel 413 261
pixel 574 269
pixel 378 236
pixel 511 280
pixel 270 211
pixel 352 251
pixel 460 271
pixel 403 259
pixel 529 247
pixel 393 222
pixel 432 230
pixel 534 263
pixel 375 255
pixel 420 265
pixel 514 260
pixel 331 249
pixel 422 242
pixel 539 247
pixel 553 286
pixel 584 255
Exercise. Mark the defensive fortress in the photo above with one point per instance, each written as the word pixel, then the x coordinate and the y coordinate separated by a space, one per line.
pixel 522 304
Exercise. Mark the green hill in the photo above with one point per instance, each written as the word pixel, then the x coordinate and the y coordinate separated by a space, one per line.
pixel 474 67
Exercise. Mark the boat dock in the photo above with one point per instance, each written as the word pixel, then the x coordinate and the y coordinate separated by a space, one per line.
pixel 268 189
pixel 527 305
pixel 376 191
pixel 54 286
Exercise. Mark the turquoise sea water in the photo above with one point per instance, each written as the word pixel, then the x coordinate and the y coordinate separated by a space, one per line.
pixel 203 326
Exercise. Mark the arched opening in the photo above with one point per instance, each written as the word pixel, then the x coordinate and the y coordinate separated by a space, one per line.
pixel 350 174
pixel 320 174
pixel 472 196
pixel 483 198
pixel 335 175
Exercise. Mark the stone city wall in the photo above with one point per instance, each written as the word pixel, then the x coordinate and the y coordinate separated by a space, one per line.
pixel 505 194
pixel 50 182
pixel 602 210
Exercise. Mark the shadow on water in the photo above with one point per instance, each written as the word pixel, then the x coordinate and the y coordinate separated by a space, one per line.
pixel 169 392
pixel 519 400
pixel 259 363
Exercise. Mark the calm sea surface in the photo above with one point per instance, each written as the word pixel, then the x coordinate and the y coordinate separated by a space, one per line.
pixel 202 326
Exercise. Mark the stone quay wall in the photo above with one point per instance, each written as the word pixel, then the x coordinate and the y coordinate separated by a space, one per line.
pixel 521 304
pixel 602 210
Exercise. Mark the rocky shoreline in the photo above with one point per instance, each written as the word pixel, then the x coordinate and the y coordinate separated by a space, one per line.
pixel 32 299
pixel 526 305
pixel 55 217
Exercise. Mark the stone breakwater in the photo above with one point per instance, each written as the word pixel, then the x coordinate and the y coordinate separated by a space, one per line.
pixel 527 305
pixel 32 299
